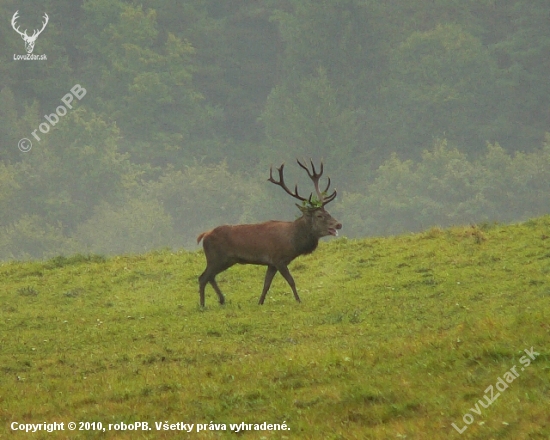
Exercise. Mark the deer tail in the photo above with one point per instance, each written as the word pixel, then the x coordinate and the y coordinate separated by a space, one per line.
pixel 200 237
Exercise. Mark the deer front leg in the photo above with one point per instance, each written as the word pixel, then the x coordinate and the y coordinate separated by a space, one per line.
pixel 270 273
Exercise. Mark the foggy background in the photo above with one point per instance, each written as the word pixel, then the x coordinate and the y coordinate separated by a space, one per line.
pixel 425 113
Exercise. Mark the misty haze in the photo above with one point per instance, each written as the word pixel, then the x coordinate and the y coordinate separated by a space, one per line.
pixel 162 278
pixel 423 116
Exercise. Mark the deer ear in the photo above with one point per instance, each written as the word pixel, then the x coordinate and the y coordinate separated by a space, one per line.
pixel 306 210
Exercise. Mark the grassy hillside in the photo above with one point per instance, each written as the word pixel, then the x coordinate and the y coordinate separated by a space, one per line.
pixel 395 337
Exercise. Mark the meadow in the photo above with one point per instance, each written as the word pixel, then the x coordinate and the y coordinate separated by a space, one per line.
pixel 397 337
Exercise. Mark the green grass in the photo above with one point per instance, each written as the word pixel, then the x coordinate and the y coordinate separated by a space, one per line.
pixel 395 338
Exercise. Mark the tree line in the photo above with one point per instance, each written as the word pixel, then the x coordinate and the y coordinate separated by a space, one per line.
pixel 425 113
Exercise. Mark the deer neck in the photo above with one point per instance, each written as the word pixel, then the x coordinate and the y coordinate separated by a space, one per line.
pixel 304 239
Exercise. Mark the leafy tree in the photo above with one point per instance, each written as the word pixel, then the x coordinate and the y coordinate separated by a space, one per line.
pixel 200 197
pixel 524 57
pixel 74 167
pixel 136 226
pixel 446 188
pixel 8 193
pixel 31 237
pixel 145 88
pixel 516 186
pixel 9 126
pixel 442 85
pixel 307 120
pixel 345 38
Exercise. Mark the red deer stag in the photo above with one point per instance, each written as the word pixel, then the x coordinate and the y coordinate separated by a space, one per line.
pixel 274 243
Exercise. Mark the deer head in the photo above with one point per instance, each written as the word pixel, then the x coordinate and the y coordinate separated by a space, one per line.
pixel 313 208
pixel 29 41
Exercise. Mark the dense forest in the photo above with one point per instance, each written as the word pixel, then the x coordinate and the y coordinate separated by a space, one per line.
pixel 425 113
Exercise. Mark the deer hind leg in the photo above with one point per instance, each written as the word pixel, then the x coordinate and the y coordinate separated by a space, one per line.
pixel 209 276
pixel 271 271
pixel 202 284
pixel 221 298
pixel 286 274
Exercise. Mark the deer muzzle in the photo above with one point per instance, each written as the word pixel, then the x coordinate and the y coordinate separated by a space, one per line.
pixel 334 231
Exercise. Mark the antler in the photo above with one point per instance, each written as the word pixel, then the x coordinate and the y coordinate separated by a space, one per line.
pixel 315 176
pixel 282 184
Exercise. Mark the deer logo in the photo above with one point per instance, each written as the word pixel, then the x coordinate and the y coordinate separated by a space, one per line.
pixel 29 41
